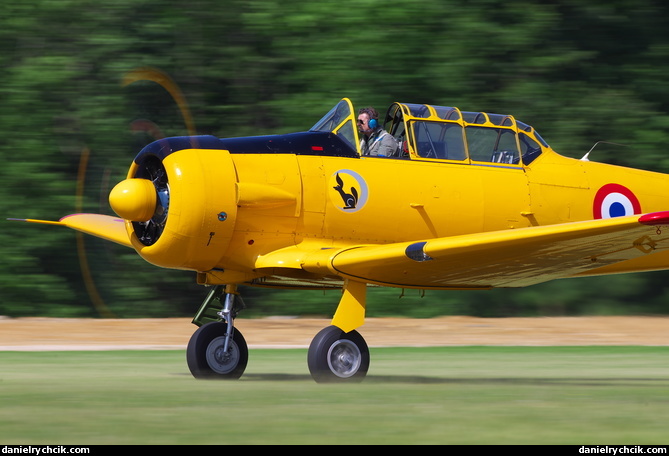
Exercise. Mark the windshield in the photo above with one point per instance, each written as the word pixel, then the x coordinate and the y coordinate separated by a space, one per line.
pixel 340 120
pixel 333 118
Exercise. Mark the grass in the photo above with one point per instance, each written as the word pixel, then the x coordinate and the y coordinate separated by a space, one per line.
pixel 449 395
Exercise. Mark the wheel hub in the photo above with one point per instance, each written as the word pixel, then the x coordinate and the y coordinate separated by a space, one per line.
pixel 344 358
pixel 221 361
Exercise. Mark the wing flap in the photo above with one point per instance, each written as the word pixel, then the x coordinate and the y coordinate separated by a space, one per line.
pixel 510 258
pixel 102 226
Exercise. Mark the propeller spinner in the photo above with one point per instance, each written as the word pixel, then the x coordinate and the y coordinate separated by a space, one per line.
pixel 144 200
pixel 134 199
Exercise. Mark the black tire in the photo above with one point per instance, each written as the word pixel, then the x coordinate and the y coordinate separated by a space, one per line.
pixel 205 356
pixel 337 356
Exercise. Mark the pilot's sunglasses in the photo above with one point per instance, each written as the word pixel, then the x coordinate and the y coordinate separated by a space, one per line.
pixel 360 121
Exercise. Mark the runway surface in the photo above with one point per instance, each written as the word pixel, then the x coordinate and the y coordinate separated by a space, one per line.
pixel 30 334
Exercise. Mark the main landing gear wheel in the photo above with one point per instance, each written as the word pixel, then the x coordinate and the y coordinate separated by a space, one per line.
pixel 336 356
pixel 206 355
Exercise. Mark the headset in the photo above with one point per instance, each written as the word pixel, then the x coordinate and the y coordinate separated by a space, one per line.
pixel 373 123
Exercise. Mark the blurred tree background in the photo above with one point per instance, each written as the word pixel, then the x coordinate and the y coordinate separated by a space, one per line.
pixel 579 72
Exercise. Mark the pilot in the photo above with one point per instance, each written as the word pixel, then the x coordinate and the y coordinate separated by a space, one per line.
pixel 374 139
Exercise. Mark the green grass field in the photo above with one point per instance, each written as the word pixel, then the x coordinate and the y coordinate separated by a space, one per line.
pixel 450 395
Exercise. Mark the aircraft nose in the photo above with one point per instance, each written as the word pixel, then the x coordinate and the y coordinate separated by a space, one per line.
pixel 134 199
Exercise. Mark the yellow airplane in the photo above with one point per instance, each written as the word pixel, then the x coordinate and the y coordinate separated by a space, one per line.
pixel 470 200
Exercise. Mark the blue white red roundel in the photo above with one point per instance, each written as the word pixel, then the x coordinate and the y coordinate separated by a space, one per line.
pixel 614 200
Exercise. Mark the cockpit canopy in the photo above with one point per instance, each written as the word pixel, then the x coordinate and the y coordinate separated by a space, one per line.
pixel 427 132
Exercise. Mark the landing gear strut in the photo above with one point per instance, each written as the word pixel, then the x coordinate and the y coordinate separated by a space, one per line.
pixel 216 349
pixel 337 353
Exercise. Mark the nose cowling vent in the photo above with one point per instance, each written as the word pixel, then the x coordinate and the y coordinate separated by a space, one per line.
pixel 149 231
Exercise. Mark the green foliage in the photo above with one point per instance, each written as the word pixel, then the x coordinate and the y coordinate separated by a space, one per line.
pixel 578 72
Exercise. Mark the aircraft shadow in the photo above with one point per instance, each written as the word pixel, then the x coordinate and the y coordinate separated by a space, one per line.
pixel 417 379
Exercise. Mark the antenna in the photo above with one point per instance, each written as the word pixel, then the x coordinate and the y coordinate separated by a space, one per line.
pixel 585 157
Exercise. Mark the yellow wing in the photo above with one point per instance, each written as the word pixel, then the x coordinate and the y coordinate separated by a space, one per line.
pixel 102 226
pixel 510 258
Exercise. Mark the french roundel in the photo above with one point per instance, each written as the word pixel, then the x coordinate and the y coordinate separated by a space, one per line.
pixel 614 200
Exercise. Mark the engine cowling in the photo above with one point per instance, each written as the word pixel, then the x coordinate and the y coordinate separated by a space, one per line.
pixel 179 203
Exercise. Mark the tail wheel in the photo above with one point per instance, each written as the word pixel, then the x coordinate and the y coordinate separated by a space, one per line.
pixel 206 355
pixel 337 356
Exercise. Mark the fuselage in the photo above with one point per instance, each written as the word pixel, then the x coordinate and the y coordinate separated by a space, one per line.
pixel 233 201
